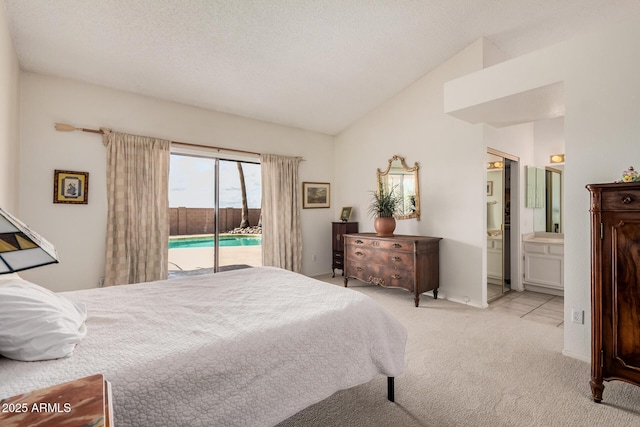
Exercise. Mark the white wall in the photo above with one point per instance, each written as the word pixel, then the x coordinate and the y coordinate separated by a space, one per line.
pixel 451 155
pixel 9 107
pixel 78 231
pixel 601 129
pixel 549 139
pixel 601 140
pixel 452 158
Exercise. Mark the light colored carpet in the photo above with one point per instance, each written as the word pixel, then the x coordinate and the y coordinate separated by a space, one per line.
pixel 473 367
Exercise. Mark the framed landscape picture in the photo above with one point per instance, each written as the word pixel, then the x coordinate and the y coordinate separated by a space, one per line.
pixel 70 187
pixel 315 195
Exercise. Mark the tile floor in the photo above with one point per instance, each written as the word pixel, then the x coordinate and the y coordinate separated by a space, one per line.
pixel 534 306
pixel 493 292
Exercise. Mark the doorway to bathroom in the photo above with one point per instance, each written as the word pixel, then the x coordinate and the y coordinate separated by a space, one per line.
pixel 502 170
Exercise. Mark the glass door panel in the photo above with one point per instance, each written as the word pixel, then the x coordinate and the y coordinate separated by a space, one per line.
pixel 239 227
pixel 500 192
pixel 191 213
pixel 214 211
pixel 495 226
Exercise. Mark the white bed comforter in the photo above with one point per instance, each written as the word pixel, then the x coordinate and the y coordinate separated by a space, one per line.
pixel 241 348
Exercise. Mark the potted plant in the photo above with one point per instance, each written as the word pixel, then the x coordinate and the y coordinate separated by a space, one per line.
pixel 384 204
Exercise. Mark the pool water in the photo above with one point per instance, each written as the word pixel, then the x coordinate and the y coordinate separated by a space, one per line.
pixel 207 241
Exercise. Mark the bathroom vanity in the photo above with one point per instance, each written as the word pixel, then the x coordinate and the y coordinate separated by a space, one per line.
pixel 544 262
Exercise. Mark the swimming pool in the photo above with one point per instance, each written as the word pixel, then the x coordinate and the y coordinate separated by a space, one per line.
pixel 206 241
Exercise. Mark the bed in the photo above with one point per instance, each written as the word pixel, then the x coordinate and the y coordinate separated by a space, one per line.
pixel 236 348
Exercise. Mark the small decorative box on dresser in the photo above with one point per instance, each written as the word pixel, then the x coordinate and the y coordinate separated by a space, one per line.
pixel 407 262
pixel 615 284
pixel 338 230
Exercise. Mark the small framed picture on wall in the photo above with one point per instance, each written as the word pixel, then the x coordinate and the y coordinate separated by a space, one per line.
pixel 315 195
pixel 70 187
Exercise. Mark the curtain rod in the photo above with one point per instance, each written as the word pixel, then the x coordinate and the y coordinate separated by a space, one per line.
pixel 69 128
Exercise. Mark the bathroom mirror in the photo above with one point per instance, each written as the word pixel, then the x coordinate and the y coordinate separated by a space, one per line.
pixel 553 182
pixel 549 216
pixel 406 183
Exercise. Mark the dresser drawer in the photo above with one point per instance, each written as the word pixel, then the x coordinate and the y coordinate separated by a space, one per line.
pixel 621 200
pixel 381 275
pixel 389 259
pixel 397 245
pixel 361 270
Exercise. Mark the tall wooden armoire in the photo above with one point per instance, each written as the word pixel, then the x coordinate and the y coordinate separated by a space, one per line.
pixel 615 284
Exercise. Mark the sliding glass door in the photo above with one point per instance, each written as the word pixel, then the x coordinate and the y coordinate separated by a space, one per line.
pixel 238 210
pixel 214 214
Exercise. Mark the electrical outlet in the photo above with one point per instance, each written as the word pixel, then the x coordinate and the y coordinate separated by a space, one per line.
pixel 101 282
pixel 314 258
pixel 577 316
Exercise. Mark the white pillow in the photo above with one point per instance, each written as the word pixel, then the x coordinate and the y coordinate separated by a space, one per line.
pixel 37 324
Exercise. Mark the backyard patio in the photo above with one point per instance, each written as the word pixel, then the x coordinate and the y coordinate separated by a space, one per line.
pixel 196 258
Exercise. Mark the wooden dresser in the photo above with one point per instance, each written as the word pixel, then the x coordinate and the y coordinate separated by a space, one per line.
pixel 615 284
pixel 338 230
pixel 407 262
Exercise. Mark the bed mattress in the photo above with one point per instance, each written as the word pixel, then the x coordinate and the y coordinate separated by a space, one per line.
pixel 237 348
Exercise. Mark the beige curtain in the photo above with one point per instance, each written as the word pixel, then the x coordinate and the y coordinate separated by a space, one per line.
pixel 281 236
pixel 138 206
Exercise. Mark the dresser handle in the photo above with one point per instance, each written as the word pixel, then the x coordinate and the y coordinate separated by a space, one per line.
pixel 396 258
pixel 627 199
pixel 375 243
pixel 359 242
pixel 396 276
pixel 358 253
pixel 376 280
pixel 359 269
pixel 397 245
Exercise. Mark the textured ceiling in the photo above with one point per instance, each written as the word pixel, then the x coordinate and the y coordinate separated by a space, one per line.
pixel 313 64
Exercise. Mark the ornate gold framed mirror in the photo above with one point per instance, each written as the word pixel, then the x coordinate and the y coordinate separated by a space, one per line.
pixel 405 181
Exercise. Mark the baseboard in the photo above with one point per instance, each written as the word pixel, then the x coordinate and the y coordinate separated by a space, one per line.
pixel 456 300
pixel 544 290
pixel 576 356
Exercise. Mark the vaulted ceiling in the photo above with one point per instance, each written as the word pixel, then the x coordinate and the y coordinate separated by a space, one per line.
pixel 312 64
